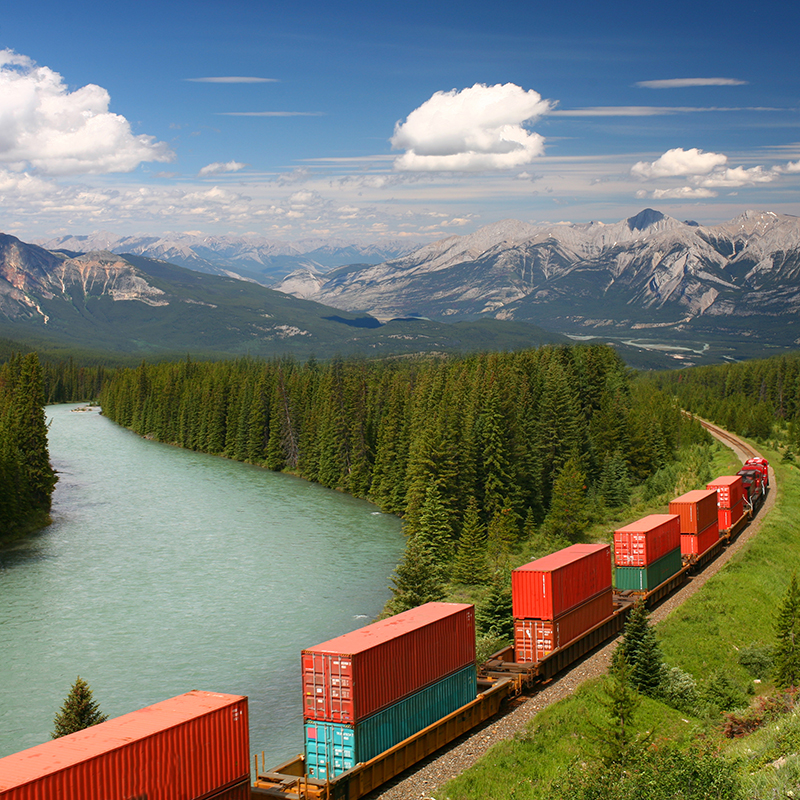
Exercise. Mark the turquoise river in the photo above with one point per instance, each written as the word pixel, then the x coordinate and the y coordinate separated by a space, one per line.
pixel 166 570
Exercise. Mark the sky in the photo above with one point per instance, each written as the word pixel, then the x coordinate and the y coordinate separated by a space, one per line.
pixel 373 121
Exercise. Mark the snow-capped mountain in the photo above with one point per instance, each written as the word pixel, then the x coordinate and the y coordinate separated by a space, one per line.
pixel 648 270
pixel 252 258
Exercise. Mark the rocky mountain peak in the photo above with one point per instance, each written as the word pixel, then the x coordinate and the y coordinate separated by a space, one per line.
pixel 645 219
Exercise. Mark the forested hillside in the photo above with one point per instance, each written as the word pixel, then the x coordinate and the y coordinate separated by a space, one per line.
pixel 26 477
pixel 752 398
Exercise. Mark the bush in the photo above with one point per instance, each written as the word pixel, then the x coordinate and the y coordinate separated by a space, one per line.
pixel 486 646
pixel 659 773
pixel 721 693
pixel 678 689
pixel 757 659
pixel 758 713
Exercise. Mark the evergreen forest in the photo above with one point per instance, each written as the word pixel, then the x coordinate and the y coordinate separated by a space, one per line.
pixel 751 398
pixel 26 477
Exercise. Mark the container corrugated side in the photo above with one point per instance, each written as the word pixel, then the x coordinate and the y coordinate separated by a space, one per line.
pixel 348 678
pixel 191 746
pixel 536 638
pixel 728 517
pixel 729 490
pixel 697 544
pixel 551 586
pixel 332 748
pixel 697 509
pixel 646 540
pixel 643 579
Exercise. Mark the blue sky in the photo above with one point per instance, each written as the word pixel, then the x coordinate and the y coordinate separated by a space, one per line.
pixel 370 121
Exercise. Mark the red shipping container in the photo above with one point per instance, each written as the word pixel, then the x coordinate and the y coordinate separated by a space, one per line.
pixel 536 638
pixel 646 540
pixel 697 544
pixel 697 510
pixel 192 746
pixel 549 587
pixel 359 673
pixel 729 490
pixel 728 517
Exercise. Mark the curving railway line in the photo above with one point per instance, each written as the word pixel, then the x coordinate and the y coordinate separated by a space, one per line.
pixel 421 781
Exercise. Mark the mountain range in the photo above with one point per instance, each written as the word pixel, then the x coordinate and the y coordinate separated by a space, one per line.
pixel 253 258
pixel 649 284
pixel 100 302
pixel 649 273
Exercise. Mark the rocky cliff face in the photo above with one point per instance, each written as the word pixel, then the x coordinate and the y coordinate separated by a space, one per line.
pixel 30 275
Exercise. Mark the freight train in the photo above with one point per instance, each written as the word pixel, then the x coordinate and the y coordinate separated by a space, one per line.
pixel 381 699
pixel 564 607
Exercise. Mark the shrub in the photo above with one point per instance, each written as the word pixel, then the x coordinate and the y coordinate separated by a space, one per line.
pixel 757 659
pixel 678 689
pixel 759 712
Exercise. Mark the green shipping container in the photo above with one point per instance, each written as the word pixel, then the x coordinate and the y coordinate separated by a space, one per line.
pixel 643 579
pixel 333 747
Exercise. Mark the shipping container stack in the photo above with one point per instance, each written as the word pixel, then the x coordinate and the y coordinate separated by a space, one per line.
pixel 368 690
pixel 699 523
pixel 647 552
pixel 730 500
pixel 557 598
pixel 195 746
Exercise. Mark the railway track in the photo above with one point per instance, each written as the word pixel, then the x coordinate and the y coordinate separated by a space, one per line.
pixel 742 449
pixel 421 781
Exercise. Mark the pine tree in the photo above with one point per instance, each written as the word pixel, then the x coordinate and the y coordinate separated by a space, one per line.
pixel 568 515
pixel 470 566
pixel 417 580
pixel 640 652
pixel 494 616
pixel 787 632
pixel 434 533
pixel 503 532
pixel 615 482
pixel 79 711
pixel 618 737
pixel 496 470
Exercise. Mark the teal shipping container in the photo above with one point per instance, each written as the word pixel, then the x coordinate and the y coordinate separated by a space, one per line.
pixel 643 579
pixel 333 748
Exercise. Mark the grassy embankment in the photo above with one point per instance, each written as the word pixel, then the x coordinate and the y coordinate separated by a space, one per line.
pixel 704 637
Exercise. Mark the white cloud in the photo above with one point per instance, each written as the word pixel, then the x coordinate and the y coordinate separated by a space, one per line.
pixel 475 129
pixel 219 167
pixel 679 162
pixel 705 171
pixel 47 128
pixel 739 176
pixel 679 83
pixel 232 79
pixel 793 166
pixel 680 193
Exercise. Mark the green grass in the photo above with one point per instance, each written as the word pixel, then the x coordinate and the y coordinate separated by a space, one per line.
pixel 559 739
pixel 737 607
pixel 734 609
